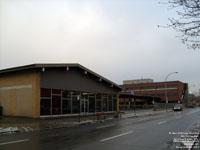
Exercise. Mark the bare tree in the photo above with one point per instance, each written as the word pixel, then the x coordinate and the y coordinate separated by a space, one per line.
pixel 188 21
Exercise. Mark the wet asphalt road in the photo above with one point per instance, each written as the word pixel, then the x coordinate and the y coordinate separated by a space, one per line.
pixel 141 133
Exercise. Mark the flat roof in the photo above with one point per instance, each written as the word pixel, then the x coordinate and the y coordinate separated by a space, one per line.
pixel 152 83
pixel 57 65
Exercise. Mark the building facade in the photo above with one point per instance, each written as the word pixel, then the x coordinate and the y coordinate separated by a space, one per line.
pixel 175 91
pixel 55 89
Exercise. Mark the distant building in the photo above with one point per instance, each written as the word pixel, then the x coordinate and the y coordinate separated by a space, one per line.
pixel 192 100
pixel 176 91
pixel 138 81
pixel 55 89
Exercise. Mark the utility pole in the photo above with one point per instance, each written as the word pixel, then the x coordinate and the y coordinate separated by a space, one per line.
pixel 166 98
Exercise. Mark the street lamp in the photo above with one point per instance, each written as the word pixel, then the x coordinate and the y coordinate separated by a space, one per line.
pixel 166 98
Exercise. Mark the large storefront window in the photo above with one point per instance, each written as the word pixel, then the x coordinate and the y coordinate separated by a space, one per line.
pixel 110 103
pixel 56 105
pixel 76 102
pixel 58 102
pixel 66 102
pixel 105 102
pixel 45 102
pixel 66 107
pixel 91 99
pixel 98 103
pixel 98 106
pixel 84 103
pixel 114 102
pixel 45 106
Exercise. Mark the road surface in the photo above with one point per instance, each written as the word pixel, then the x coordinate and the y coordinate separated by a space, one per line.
pixel 154 132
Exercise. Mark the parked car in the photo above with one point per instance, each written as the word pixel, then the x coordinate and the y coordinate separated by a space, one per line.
pixel 178 107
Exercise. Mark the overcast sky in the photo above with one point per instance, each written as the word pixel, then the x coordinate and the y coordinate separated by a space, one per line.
pixel 118 39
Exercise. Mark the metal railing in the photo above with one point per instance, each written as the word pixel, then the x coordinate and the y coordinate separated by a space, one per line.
pixel 156 106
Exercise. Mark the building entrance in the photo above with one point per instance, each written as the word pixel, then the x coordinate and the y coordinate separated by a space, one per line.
pixel 84 106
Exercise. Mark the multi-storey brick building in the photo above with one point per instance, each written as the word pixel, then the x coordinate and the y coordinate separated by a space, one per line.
pixel 175 91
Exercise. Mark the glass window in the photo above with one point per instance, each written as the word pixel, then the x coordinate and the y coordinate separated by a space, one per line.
pixel 92 94
pixel 84 96
pixel 75 93
pixel 135 88
pixel 171 86
pixel 114 102
pixel 110 104
pixel 46 93
pixel 54 91
pixel 105 103
pixel 148 88
pixel 161 87
pixel 91 104
pixel 56 105
pixel 45 107
pixel 75 104
pixel 66 107
pixel 149 94
pixel 98 96
pixel 172 94
pixel 98 105
pixel 66 94
pixel 161 94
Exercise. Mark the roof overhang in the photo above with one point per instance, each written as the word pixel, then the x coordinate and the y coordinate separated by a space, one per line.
pixel 60 65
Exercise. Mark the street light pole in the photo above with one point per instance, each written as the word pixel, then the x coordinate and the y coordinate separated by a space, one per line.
pixel 166 98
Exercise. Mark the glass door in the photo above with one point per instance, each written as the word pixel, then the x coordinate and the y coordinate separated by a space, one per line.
pixel 84 106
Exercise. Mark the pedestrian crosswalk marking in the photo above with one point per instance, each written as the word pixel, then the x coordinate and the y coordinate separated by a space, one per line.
pixel 27 129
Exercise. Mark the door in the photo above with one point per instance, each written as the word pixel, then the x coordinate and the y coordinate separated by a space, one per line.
pixel 84 106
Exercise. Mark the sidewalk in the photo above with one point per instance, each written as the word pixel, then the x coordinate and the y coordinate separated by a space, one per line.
pixel 21 124
pixel 138 113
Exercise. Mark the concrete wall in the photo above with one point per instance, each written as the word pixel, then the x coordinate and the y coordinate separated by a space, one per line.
pixel 20 93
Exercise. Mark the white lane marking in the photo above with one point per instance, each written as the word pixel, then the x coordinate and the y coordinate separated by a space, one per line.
pixel 14 142
pixel 116 136
pixel 105 126
pixel 162 122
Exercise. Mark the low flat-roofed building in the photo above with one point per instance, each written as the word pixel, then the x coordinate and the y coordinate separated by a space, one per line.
pixel 55 89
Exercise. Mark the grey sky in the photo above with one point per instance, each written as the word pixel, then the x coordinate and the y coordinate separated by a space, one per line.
pixel 118 39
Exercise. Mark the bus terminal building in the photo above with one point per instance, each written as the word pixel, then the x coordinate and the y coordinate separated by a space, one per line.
pixel 55 90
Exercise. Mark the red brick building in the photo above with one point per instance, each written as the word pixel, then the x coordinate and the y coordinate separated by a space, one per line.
pixel 176 91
